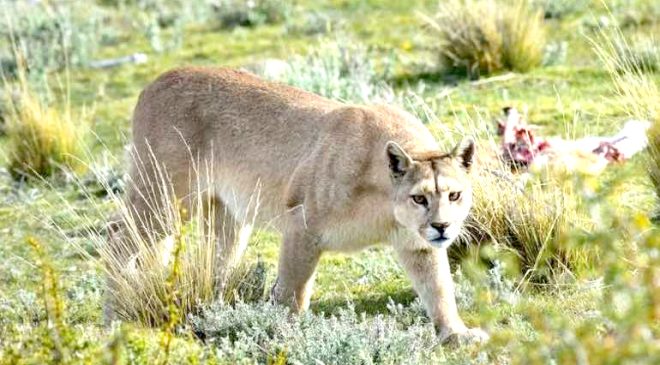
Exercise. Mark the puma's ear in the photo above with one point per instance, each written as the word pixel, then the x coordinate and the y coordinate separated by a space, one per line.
pixel 399 160
pixel 464 152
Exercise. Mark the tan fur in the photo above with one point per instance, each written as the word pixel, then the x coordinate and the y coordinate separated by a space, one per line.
pixel 332 177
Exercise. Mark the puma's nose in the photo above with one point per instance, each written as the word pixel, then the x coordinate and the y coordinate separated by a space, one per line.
pixel 440 227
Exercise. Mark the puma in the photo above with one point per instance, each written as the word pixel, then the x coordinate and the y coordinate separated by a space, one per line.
pixel 332 177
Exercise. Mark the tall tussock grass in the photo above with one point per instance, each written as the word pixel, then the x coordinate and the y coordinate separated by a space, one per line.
pixel 43 139
pixel 527 216
pixel 479 37
pixel 531 220
pixel 161 268
pixel 638 94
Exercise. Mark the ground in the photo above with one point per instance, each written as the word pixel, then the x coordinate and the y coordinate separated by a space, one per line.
pixel 571 98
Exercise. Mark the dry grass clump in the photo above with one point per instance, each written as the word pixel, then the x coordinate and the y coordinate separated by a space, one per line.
pixel 638 93
pixel 484 36
pixel 532 215
pixel 530 220
pixel 523 35
pixel 42 139
pixel 161 269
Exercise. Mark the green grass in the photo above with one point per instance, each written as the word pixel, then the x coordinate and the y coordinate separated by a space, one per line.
pixel 560 319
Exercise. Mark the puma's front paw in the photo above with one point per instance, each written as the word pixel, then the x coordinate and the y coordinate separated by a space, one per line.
pixel 464 336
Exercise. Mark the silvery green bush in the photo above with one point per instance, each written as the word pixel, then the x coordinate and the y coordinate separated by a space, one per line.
pixel 51 37
pixel 263 331
pixel 560 8
pixel 249 13
pixel 640 53
pixel 338 70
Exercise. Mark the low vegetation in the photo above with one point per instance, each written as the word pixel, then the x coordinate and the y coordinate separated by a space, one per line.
pixel 340 70
pixel 42 139
pixel 483 37
pixel 51 36
pixel 641 53
pixel 654 165
pixel 233 13
pixel 560 8
pixel 165 275
pixel 531 222
pixel 558 268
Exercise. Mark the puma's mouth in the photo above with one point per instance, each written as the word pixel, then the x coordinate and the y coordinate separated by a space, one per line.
pixel 440 241
pixel 437 239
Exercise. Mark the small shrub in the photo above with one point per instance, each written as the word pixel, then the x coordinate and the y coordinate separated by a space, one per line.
pixel 338 71
pixel 555 53
pixel 635 13
pixel 42 139
pixel 250 13
pixel 266 331
pixel 481 37
pixel 313 23
pixel 557 9
pixel 163 22
pixel 153 32
pixel 52 36
pixel 625 311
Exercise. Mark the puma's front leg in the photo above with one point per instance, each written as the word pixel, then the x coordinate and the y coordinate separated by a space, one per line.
pixel 429 271
pixel 299 256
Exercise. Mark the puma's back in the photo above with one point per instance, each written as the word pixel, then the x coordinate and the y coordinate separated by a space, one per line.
pixel 294 144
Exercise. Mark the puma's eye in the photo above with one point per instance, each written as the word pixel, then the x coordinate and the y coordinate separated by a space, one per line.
pixel 420 199
pixel 454 196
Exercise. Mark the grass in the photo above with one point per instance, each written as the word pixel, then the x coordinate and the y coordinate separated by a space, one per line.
pixel 531 222
pixel 563 271
pixel 160 276
pixel 523 37
pixel 483 37
pixel 341 70
pixel 654 151
pixel 642 53
pixel 42 139
pixel 51 36
pixel 233 13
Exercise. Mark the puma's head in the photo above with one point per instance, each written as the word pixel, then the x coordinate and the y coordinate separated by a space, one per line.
pixel 432 191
